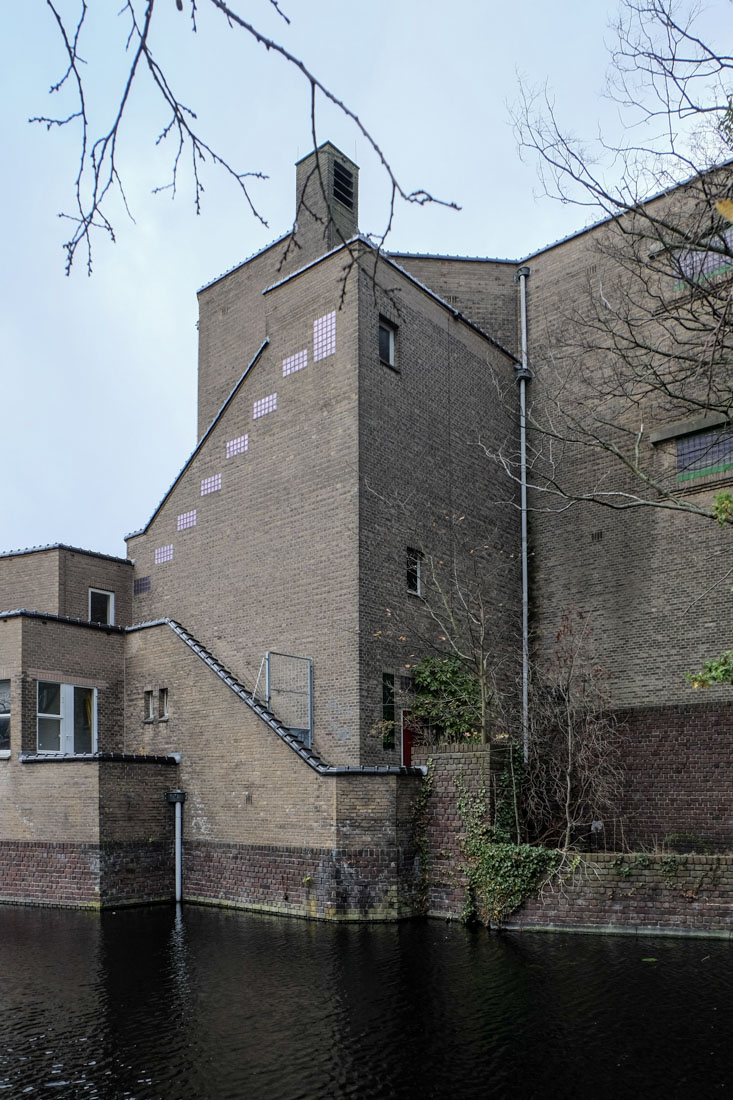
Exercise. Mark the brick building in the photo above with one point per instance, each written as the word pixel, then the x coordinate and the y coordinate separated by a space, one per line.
pixel 254 650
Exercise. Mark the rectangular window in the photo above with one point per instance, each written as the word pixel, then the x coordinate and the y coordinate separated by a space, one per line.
pixel 295 362
pixel 210 484
pixel 67 718
pixel 163 553
pixel 237 446
pixel 4 715
pixel 388 711
pixel 704 453
pixel 387 340
pixel 101 607
pixel 148 707
pixel 264 406
pixel 141 585
pixel 713 257
pixel 186 519
pixel 324 336
pixel 414 572
pixel 163 703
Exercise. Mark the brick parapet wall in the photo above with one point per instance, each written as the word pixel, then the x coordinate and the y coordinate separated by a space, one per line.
pixel 638 894
pixel 320 883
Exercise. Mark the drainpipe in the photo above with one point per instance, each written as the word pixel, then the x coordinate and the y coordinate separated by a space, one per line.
pixel 523 375
pixel 177 798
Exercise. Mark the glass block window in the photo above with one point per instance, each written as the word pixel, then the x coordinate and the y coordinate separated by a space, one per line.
pixel 704 453
pixel 140 585
pixel 324 336
pixel 697 264
pixel 237 446
pixel 186 519
pixel 295 362
pixel 210 484
pixel 163 553
pixel 265 405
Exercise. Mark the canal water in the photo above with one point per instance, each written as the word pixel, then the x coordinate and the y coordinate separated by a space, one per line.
pixel 210 1004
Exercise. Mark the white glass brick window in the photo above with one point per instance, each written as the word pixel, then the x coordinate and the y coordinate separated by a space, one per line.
pixel 265 405
pixel 324 336
pixel 237 446
pixel 210 484
pixel 187 519
pixel 295 362
pixel 163 553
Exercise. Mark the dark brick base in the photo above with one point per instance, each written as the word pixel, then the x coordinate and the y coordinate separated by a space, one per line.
pixel 326 884
pixel 85 875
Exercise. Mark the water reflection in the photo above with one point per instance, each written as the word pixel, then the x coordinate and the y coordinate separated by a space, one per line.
pixel 171 1004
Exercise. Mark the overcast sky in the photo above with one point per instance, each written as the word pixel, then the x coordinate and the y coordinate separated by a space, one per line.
pixel 99 374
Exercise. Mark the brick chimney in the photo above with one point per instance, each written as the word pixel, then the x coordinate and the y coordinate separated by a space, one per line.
pixel 326 201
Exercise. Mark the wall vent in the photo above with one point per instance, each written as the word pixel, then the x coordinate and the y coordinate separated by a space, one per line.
pixel 596 536
pixel 343 185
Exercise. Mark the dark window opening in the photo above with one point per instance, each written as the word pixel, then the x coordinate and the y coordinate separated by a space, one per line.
pixel 388 711
pixel 140 585
pixel 4 714
pixel 387 334
pixel 343 185
pixel 414 572
pixel 101 607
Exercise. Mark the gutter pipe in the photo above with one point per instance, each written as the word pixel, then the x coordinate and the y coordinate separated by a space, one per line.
pixel 523 375
pixel 177 798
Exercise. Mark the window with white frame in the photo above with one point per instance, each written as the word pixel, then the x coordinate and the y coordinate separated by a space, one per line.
pixel 148 707
pixel 163 704
pixel 66 718
pixel 414 572
pixel 101 606
pixel 5 716
pixel 387 343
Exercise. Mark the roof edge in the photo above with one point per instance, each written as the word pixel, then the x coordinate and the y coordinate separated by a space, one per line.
pixel 62 546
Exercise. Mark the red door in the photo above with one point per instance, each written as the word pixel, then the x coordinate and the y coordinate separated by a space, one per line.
pixel 408 735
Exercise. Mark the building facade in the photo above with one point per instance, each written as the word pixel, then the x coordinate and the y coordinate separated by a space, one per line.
pixel 357 413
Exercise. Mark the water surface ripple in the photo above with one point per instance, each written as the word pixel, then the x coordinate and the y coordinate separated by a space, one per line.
pixel 207 1004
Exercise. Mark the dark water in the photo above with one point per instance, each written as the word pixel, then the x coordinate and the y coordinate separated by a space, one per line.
pixel 213 1004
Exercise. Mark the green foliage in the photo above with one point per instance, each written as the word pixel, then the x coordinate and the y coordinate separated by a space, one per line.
pixel 501 876
pixel 447 696
pixel 723 508
pixel 716 670
pixel 507 791
pixel 420 834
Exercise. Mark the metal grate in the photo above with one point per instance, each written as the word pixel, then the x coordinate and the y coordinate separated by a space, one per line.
pixel 324 336
pixel 237 446
pixel 210 484
pixel 163 553
pixel 186 519
pixel 289 692
pixel 140 585
pixel 264 406
pixel 295 362
pixel 343 184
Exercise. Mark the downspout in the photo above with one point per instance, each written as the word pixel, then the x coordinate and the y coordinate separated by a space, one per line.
pixel 177 798
pixel 523 375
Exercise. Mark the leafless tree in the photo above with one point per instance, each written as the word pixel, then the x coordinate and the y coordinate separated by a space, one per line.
pixel 100 172
pixel 648 339
pixel 574 781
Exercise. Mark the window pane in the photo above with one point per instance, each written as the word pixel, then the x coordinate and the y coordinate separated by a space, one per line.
pixel 385 344
pixel 4 696
pixel 4 731
pixel 83 703
pixel 99 607
pixel 49 698
pixel 49 734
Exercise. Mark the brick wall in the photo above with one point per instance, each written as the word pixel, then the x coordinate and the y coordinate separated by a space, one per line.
pixel 642 893
pixel 30 580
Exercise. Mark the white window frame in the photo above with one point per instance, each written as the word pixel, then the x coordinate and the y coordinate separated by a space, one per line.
pixel 162 704
pixel 110 606
pixel 65 718
pixel 149 706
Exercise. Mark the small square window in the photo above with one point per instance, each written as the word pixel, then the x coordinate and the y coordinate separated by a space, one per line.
pixel 163 703
pixel 387 342
pixel 237 446
pixel 210 484
pixel 414 572
pixel 101 607
pixel 264 406
pixel 186 520
pixel 163 554
pixel 141 585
